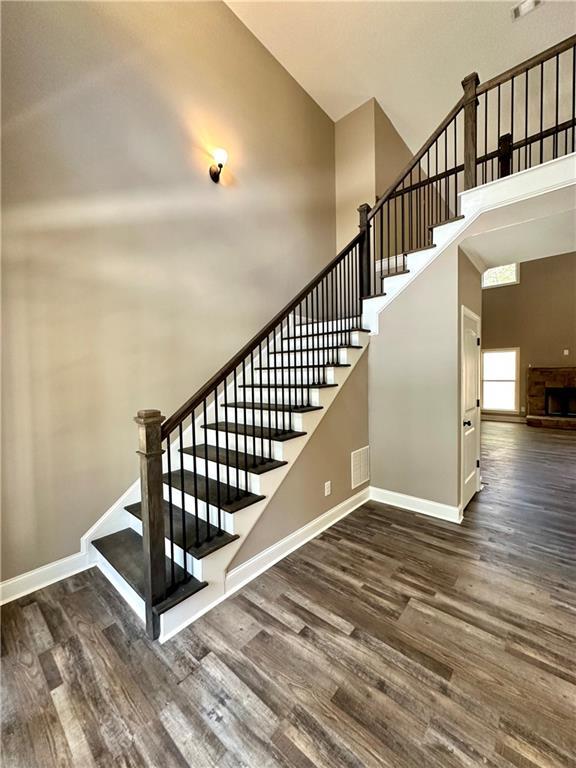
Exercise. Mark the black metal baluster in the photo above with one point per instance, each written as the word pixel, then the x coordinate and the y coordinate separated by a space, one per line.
pixel 512 125
pixel 184 547
pixel 171 510
pixel 573 97
pixel 526 120
pixel 195 468
pixel 282 352
pixel 269 390
pixel 277 429
pixel 238 468
pixel 446 189
pixel 218 489
pixel 207 484
pixel 456 166
pixel 555 140
pixel 227 448
pixel 541 112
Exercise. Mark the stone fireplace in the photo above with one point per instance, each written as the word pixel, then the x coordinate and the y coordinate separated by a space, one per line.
pixel 552 397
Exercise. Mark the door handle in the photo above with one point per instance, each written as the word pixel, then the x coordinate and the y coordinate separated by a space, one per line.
pixel 467 423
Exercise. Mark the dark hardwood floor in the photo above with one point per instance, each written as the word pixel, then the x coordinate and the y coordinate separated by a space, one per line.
pixel 391 640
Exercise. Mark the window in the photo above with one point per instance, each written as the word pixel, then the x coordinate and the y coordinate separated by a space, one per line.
pixel 500 380
pixel 509 274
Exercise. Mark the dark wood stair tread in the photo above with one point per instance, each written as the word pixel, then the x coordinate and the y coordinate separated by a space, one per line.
pixel 394 274
pixel 218 494
pixel 234 459
pixel 253 431
pixel 205 548
pixel 125 553
pixel 333 331
pixel 281 408
pixel 317 349
pixel 281 368
pixel 417 250
pixel 298 385
pixel 447 221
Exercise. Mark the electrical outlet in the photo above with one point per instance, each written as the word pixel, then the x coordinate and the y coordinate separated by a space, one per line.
pixel 327 488
pixel 565 352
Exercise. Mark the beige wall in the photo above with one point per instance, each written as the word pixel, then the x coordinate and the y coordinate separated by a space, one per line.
pixel 538 315
pixel 392 154
pixel 128 276
pixel 370 153
pixel 326 456
pixel 469 284
pixel 414 386
pixel 355 169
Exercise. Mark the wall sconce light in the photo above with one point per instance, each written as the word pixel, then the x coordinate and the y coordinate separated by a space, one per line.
pixel 221 158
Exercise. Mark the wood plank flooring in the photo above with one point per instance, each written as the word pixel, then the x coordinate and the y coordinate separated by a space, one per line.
pixel 391 640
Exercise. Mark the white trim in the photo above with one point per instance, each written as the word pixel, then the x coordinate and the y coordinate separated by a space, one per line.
pixel 504 416
pixel 516 281
pixel 466 312
pixel 416 504
pixel 513 411
pixel 242 574
pixel 11 589
pixel 245 572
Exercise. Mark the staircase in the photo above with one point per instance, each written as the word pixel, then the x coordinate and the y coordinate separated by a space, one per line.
pixel 208 472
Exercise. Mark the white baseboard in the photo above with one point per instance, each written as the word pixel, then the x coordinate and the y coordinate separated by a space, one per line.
pixel 503 417
pixel 11 589
pixel 416 504
pixel 242 574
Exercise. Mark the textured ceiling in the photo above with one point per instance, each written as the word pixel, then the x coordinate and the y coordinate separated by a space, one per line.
pixel 410 56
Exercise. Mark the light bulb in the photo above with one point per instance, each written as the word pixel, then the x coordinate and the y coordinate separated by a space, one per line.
pixel 220 156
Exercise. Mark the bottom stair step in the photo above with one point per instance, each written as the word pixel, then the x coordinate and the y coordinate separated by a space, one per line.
pixel 125 553
pixel 205 548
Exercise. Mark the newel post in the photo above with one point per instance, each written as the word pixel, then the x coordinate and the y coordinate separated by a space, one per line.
pixel 364 210
pixel 470 85
pixel 150 452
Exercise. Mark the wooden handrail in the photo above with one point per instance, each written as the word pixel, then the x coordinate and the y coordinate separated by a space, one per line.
pixel 533 61
pixel 417 157
pixel 185 410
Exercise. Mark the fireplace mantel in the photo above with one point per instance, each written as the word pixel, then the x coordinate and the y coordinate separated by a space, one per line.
pixel 539 380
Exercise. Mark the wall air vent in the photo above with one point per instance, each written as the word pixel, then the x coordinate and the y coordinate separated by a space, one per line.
pixel 524 8
pixel 360 461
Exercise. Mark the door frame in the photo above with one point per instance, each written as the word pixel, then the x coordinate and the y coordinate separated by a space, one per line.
pixel 466 312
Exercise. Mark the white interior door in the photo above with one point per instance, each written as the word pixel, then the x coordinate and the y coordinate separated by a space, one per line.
pixel 470 409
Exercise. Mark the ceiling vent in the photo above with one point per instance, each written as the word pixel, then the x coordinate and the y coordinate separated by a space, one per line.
pixel 360 466
pixel 524 8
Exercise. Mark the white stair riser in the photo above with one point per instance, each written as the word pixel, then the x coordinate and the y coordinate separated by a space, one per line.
pixel 318 374
pixel 194 566
pixel 313 357
pixel 201 508
pixel 326 340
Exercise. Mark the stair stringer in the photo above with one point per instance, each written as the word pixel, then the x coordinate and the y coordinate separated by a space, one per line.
pixel 525 191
